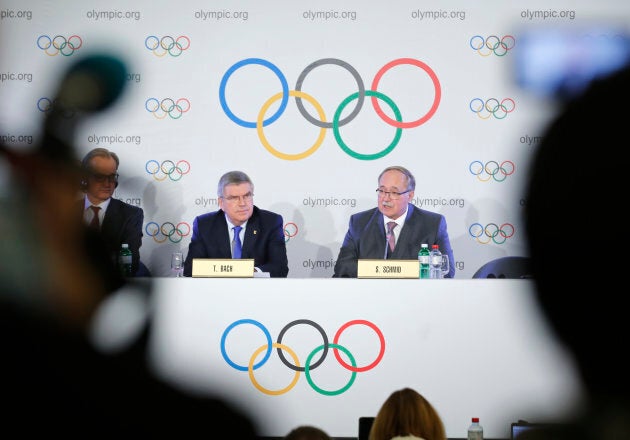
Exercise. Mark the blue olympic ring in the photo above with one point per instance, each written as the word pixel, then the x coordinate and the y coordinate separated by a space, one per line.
pixel 170 169
pixel 491 231
pixel 167 230
pixel 492 169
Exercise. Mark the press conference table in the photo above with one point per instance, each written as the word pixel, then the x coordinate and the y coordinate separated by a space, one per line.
pixel 473 347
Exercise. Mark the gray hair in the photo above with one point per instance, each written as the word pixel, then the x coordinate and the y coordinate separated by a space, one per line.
pixel 233 178
pixel 98 152
pixel 411 181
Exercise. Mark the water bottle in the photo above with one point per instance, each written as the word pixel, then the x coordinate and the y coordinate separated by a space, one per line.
pixel 124 260
pixel 423 259
pixel 435 257
pixel 475 430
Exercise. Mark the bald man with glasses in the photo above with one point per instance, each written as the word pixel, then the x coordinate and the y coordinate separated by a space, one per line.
pixel 395 220
pixel 239 229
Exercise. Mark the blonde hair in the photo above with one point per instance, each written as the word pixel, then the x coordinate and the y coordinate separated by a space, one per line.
pixel 407 412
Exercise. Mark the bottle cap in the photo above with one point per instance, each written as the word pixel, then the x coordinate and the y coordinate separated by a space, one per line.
pixel 125 245
pixel 475 419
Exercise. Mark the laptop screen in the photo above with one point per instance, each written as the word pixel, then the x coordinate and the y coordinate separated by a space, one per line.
pixel 365 423
pixel 517 429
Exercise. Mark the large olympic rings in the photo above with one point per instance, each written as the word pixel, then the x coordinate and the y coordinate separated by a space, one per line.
pixel 167 168
pixel 309 365
pixel 492 169
pixel 492 231
pixel 167 231
pixel 59 44
pixel 321 121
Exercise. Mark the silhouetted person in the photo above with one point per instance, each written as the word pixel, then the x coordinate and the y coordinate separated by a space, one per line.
pixel 575 221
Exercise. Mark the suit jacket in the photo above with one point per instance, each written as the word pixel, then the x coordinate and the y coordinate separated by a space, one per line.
pixel 365 239
pixel 263 241
pixel 122 224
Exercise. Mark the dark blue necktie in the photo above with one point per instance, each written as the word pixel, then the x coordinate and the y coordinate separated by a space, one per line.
pixel 236 252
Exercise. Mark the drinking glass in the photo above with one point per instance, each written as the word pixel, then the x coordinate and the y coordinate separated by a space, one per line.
pixel 445 265
pixel 177 264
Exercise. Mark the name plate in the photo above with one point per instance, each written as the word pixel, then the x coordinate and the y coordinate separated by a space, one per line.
pixel 223 268
pixel 388 269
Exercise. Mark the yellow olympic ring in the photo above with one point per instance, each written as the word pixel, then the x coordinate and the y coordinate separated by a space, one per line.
pixel 262 389
pixel 267 145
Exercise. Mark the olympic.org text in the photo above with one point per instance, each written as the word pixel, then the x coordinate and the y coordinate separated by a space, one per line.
pixel 10 13
pixel 544 14
pixel 222 14
pixel 530 140
pixel 114 139
pixel 331 14
pixel 16 139
pixel 328 201
pixel 112 14
pixel 206 201
pixel 12 76
pixel 439 14
pixel 437 202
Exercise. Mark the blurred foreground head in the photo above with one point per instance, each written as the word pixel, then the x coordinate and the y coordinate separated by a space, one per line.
pixel 50 262
pixel 575 219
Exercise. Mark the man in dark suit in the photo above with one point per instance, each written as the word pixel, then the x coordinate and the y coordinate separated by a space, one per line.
pixel 259 232
pixel 118 222
pixel 367 235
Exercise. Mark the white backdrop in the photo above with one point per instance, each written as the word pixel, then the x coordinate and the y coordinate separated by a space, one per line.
pixel 175 139
pixel 474 348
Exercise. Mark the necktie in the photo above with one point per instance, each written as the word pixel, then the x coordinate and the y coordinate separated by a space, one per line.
pixel 236 250
pixel 95 223
pixel 391 238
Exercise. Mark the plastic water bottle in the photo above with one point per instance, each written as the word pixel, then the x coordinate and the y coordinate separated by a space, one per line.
pixel 423 259
pixel 475 430
pixel 124 260
pixel 435 257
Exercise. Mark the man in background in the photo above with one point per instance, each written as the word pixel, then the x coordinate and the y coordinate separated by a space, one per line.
pixel 239 229
pixel 118 222
pixel 368 232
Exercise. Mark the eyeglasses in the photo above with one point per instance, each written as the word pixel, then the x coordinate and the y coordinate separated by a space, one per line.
pixel 102 178
pixel 236 199
pixel 392 194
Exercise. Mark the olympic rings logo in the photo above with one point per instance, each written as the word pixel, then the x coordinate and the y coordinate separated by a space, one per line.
pixel 167 231
pixel 45 105
pixel 59 45
pixel 492 45
pixel 168 168
pixel 309 365
pixel 492 170
pixel 290 231
pixel 336 122
pixel 167 45
pixel 167 106
pixel 492 107
pixel 484 234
